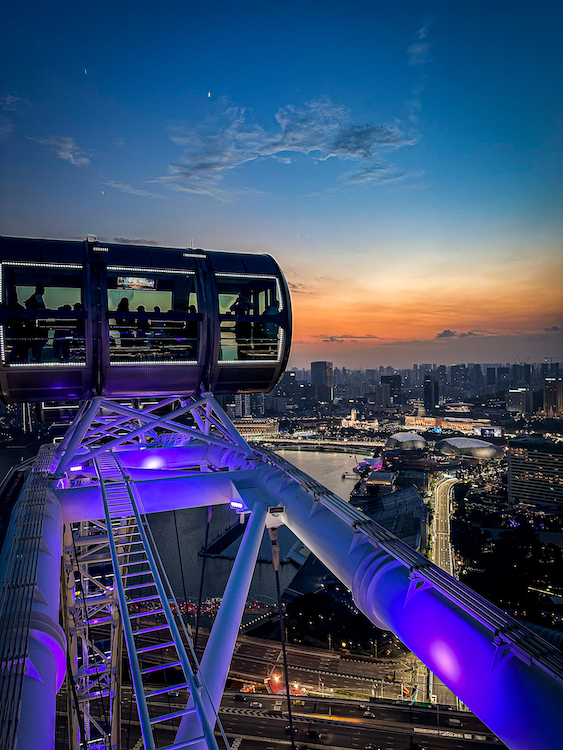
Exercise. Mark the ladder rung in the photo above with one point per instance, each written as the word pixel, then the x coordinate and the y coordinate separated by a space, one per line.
pixel 140 552
pixel 137 575
pixel 183 744
pixel 155 648
pixel 148 630
pixel 143 599
pixel 160 667
pixel 128 534
pixel 168 689
pixel 175 715
pixel 120 526
pixel 147 614
pixel 139 586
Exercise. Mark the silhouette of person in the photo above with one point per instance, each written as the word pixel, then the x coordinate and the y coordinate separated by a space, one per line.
pixel 80 331
pixel 242 307
pixel 37 335
pixel 124 324
pixel 191 333
pixel 143 325
pixel 17 331
pixel 62 338
pixel 270 329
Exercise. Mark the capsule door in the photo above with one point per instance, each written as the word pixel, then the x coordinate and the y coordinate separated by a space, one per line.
pixel 151 331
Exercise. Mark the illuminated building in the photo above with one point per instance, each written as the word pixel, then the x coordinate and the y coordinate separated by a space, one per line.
pixel 535 471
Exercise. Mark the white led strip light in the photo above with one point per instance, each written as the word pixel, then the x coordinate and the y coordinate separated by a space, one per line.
pixel 185 272
pixel 155 363
pixel 39 264
pixel 194 255
pixel 47 364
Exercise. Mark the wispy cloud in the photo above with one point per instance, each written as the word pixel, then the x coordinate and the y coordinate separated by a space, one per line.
pixel 7 127
pixel 127 241
pixel 418 51
pixel 125 188
pixel 349 337
pixel 66 148
pixel 11 103
pixel 319 130
pixel 447 334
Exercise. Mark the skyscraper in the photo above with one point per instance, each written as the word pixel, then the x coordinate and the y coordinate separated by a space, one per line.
pixel 431 394
pixel 322 379
pixel 553 397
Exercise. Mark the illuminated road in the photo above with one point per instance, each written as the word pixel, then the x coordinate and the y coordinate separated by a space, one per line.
pixel 441 549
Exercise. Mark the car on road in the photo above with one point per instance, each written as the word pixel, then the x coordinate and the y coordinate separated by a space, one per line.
pixel 312 734
pixel 363 707
pixel 369 714
pixel 255 704
pixel 298 703
pixel 289 728
pixel 371 746
pixel 417 746
pixel 240 697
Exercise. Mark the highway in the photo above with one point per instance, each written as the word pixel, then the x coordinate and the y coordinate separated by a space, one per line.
pixel 340 723
pixel 441 549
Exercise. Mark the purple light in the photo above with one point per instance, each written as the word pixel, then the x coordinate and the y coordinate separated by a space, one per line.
pixel 76 468
pixel 237 505
pixel 446 659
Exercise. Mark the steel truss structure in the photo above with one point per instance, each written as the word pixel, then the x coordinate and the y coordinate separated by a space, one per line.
pixel 118 463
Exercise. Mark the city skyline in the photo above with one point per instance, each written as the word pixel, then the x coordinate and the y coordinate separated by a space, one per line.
pixel 401 164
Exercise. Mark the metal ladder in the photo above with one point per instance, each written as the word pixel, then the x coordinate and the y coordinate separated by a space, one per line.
pixel 146 603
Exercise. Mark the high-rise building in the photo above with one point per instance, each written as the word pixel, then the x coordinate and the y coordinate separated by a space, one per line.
pixel 520 400
pixel 553 397
pixel 535 471
pixel 322 379
pixel 394 383
pixel 431 394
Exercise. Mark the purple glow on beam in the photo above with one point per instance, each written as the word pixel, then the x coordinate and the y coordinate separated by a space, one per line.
pixel 446 660
pixel 153 462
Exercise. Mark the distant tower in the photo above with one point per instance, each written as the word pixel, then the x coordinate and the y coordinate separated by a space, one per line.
pixel 431 394
pixel 553 397
pixel 394 383
pixel 322 379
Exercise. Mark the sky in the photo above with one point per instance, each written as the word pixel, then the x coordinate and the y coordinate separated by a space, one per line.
pixel 401 161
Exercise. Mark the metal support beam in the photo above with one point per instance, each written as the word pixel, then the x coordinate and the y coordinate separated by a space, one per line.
pixel 216 660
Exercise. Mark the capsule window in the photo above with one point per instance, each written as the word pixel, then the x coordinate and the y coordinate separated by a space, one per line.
pixel 249 311
pixel 49 321
pixel 152 318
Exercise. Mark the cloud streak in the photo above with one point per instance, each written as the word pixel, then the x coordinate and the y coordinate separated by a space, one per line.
pixel 448 334
pixel 7 127
pixel 418 51
pixel 123 187
pixel 10 103
pixel 318 130
pixel 65 148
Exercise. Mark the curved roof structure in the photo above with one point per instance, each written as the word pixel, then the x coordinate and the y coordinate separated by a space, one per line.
pixel 406 441
pixel 463 446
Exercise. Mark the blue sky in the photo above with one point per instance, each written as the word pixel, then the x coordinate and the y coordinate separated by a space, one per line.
pixel 401 161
